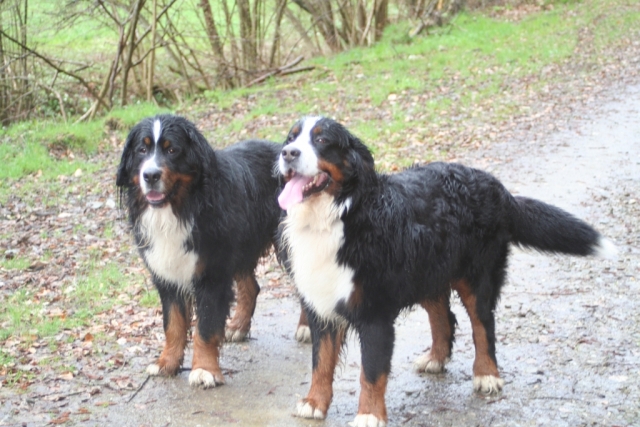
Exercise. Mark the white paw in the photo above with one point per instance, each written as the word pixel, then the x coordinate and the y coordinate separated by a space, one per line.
pixel 153 369
pixel 303 334
pixel 305 410
pixel 426 364
pixel 235 335
pixel 201 377
pixel 367 420
pixel 487 384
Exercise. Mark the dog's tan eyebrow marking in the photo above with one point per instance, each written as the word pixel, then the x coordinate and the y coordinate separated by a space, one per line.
pixel 166 143
pixel 317 129
pixel 295 130
pixel 146 140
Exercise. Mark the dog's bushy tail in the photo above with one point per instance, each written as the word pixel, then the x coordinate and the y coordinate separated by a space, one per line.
pixel 537 225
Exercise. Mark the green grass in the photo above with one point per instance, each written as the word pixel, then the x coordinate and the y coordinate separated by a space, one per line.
pixel 17 263
pixel 126 117
pixel 150 298
pixel 30 148
pixel 21 313
pixel 26 317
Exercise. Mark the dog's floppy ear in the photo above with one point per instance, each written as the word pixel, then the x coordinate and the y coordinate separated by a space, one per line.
pixel 126 161
pixel 199 144
pixel 359 155
pixel 361 167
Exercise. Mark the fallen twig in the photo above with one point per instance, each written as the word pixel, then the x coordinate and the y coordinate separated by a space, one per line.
pixel 282 71
pixel 135 393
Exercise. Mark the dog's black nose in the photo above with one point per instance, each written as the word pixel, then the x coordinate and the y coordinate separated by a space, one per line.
pixel 152 175
pixel 289 154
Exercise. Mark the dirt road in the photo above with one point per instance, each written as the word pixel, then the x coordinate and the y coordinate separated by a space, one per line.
pixel 568 328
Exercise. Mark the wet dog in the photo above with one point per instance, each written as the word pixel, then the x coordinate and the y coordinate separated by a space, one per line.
pixel 201 219
pixel 364 246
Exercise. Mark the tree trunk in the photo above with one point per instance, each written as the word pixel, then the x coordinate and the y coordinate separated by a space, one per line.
pixel 301 30
pixel 4 93
pixel 132 45
pixel 321 13
pixel 114 69
pixel 152 57
pixel 381 18
pixel 282 4
pixel 214 39
pixel 247 40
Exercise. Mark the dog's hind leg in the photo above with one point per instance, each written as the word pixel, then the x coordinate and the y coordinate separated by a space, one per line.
pixel 176 319
pixel 239 325
pixel 303 333
pixel 442 322
pixel 486 378
pixel 327 339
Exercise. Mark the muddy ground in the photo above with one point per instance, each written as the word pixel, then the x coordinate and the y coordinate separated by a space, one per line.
pixel 568 328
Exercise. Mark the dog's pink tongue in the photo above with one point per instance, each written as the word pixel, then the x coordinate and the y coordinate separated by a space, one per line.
pixel 154 196
pixel 292 192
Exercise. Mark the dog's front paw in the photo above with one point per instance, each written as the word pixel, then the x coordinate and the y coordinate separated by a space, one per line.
pixel 306 410
pixel 487 384
pixel 201 377
pixel 164 369
pixel 235 335
pixel 303 334
pixel 153 370
pixel 367 420
pixel 427 363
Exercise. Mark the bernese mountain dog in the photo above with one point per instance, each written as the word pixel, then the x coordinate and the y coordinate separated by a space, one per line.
pixel 201 219
pixel 364 246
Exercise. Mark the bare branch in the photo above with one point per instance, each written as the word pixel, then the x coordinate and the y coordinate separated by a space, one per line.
pixel 284 70
pixel 49 62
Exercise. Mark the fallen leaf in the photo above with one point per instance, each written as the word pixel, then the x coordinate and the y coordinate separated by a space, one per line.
pixel 62 418
pixel 67 376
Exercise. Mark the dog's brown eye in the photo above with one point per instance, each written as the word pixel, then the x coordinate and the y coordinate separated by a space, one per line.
pixel 171 150
pixel 143 150
pixel 290 138
pixel 320 141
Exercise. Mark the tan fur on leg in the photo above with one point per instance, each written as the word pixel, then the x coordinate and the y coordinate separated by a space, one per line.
pixel 175 342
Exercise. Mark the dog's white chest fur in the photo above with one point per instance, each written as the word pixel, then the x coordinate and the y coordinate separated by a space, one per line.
pixel 164 240
pixel 314 233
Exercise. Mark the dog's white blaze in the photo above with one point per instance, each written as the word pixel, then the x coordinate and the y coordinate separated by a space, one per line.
pixel 157 130
pixel 152 162
pixel 149 164
pixel 314 233
pixel 164 238
pixel 307 163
